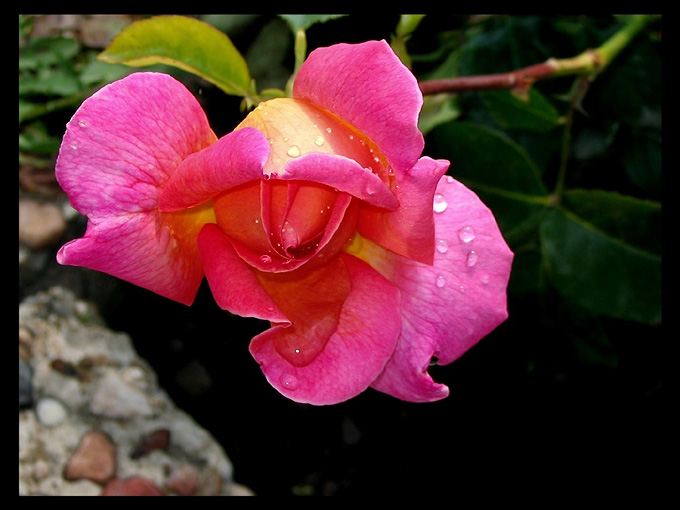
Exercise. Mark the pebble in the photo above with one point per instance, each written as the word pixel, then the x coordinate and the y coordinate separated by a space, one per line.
pixel 156 440
pixel 132 486
pixel 210 484
pixel 183 480
pixel 50 412
pixel 25 385
pixel 95 459
pixel 40 224
pixel 114 398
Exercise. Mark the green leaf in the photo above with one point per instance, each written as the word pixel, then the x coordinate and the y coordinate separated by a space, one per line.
pixel 642 159
pixel 49 81
pixel 47 51
pixel 510 112
pixel 304 21
pixel 497 169
pixel 633 221
pixel 185 43
pixel 601 273
pixel 35 139
pixel 267 54
pixel 489 160
pixel 437 109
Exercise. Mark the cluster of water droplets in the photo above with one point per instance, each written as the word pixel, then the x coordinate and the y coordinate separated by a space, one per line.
pixel 465 236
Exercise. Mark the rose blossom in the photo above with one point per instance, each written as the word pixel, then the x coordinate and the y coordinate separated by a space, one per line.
pixel 317 213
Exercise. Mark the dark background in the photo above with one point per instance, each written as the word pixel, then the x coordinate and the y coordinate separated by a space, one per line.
pixel 531 405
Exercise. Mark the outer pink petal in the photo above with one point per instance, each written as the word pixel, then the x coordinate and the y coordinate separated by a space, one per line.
pixel 367 86
pixel 118 151
pixel 353 356
pixel 449 306
pixel 232 282
pixel 137 248
pixel 409 230
pixel 234 159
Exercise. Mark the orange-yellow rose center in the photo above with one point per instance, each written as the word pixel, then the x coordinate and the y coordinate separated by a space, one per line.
pixel 288 218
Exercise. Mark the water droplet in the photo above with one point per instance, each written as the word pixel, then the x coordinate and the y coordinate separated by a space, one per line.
pixel 289 235
pixel 351 137
pixel 328 130
pixel 74 146
pixel 440 204
pixel 319 141
pixel 449 179
pixel 257 221
pixel 294 151
pixel 466 234
pixel 471 259
pixel 81 123
pixel 373 186
pixel 461 288
pixel 265 259
pixel 442 245
pixel 289 382
pixel 485 279
pixel 440 281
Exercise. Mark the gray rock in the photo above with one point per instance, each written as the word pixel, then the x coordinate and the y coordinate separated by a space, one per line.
pixel 25 385
pixel 88 377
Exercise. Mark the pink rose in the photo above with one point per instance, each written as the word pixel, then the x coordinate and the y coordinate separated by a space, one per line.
pixel 317 213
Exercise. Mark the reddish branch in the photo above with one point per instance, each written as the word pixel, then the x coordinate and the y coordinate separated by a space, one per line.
pixel 589 62
pixel 518 80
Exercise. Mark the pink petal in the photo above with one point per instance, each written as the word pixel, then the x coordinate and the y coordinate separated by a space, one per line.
pixel 342 174
pixel 409 230
pixel 354 353
pixel 118 151
pixel 367 86
pixel 232 282
pixel 234 159
pixel 449 306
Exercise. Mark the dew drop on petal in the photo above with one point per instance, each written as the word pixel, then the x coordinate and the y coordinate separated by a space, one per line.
pixel 471 259
pixel 289 382
pixel 440 281
pixel 319 141
pixel 74 146
pixel 439 204
pixel 328 130
pixel 466 234
pixel 81 123
pixel 449 179
pixel 265 259
pixel 442 245
pixel 294 151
